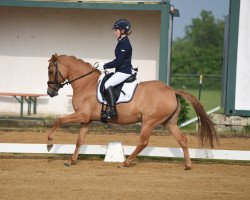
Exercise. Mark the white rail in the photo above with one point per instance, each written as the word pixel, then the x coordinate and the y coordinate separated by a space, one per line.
pixel 102 150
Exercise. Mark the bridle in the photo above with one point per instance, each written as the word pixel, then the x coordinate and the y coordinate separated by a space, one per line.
pixel 65 81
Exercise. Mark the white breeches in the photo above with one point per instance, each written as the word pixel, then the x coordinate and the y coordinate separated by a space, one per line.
pixel 117 78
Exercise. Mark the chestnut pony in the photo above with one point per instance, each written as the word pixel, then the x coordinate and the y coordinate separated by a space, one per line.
pixel 154 104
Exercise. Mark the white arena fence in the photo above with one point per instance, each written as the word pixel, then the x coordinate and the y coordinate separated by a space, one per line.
pixel 126 150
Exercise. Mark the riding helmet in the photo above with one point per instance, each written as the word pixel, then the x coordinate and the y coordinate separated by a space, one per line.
pixel 122 24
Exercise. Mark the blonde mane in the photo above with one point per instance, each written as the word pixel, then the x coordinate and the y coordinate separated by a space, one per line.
pixel 78 60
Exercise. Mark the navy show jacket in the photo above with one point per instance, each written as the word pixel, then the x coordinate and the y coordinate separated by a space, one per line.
pixel 123 54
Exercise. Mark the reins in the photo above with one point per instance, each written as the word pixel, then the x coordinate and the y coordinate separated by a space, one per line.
pixel 71 81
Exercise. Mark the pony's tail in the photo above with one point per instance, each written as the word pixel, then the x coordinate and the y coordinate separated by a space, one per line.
pixel 206 128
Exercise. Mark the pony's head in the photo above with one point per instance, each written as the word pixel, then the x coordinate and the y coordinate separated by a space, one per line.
pixel 55 76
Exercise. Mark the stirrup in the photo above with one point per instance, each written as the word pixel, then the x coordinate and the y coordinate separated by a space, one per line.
pixel 104 117
pixel 112 114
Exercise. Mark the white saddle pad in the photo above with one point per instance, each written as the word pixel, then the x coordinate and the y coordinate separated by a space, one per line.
pixel 128 89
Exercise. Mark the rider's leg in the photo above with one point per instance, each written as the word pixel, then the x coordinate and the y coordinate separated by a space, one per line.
pixel 114 80
pixel 112 103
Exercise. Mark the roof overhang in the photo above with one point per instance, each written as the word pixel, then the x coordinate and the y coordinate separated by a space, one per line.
pixel 104 5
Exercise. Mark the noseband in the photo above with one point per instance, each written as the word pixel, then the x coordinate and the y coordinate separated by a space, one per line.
pixel 56 82
pixel 64 82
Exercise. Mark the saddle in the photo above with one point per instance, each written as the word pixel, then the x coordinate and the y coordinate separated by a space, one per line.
pixel 118 88
pixel 123 92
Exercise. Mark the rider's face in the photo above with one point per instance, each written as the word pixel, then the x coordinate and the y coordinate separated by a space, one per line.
pixel 117 33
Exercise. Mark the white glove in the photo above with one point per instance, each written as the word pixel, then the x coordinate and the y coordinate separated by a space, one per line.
pixel 100 66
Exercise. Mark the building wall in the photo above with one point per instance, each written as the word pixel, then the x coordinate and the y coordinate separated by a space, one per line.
pixel 242 93
pixel 29 36
pixel 237 74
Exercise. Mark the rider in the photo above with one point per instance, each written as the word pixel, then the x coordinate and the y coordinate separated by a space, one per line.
pixel 121 63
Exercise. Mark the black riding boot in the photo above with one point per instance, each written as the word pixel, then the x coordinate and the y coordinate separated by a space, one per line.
pixel 112 102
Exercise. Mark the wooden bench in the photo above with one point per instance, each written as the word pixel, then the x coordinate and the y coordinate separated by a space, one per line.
pixel 29 98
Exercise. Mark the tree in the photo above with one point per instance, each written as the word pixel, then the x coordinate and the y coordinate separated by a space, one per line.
pixel 201 49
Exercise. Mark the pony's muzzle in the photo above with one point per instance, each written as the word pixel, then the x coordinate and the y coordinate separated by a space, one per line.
pixel 51 92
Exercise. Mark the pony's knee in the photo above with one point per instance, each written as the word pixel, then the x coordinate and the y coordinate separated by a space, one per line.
pixel 57 123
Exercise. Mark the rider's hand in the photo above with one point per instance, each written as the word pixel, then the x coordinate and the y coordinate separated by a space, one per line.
pixel 100 66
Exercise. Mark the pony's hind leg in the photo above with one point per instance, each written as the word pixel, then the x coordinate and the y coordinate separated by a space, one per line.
pixel 143 142
pixel 182 140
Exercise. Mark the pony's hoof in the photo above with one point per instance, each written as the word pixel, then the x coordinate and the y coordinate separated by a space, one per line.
pixel 73 162
pixel 70 162
pixel 67 163
pixel 188 167
pixel 124 164
pixel 121 166
pixel 49 147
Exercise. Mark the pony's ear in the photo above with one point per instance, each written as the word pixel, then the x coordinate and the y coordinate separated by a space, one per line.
pixel 54 57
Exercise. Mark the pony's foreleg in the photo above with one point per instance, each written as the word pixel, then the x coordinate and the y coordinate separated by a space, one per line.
pixel 75 117
pixel 182 140
pixel 144 138
pixel 83 131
